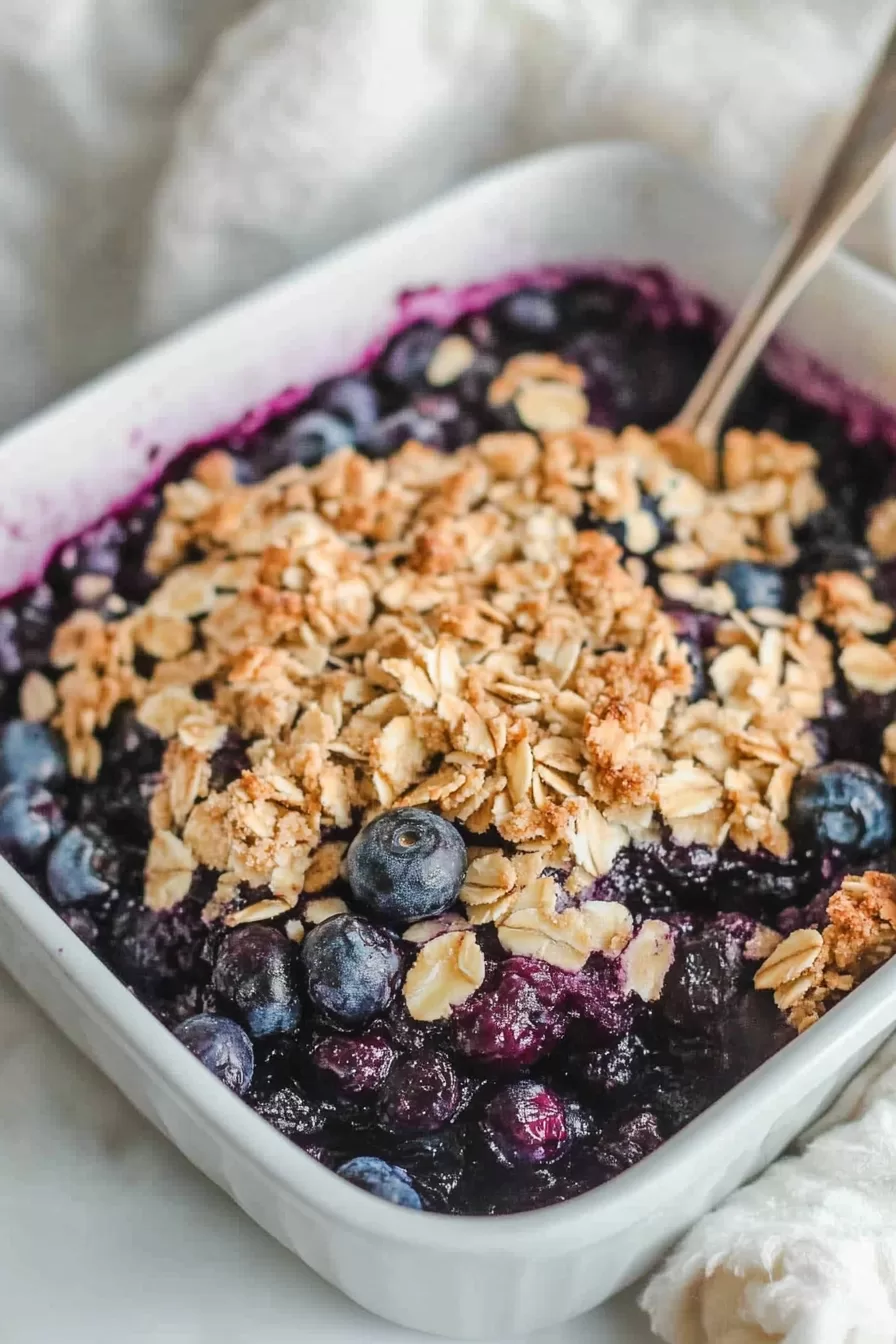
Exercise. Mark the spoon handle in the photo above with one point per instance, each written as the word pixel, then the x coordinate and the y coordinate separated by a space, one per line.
pixel 861 159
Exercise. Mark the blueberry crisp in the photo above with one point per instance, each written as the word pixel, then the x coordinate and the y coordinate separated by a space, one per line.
pixel 476 774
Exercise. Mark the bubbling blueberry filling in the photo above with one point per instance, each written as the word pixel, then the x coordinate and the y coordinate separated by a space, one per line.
pixel 478 785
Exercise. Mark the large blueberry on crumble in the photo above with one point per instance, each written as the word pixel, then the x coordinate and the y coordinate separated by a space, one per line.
pixel 478 777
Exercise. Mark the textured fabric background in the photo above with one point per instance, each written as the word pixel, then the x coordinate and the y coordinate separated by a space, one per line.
pixel 157 156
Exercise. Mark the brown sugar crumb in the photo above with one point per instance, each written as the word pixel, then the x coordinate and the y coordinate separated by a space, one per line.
pixel 811 970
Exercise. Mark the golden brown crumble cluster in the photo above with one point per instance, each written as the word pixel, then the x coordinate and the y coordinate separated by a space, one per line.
pixel 811 970
pixel 434 630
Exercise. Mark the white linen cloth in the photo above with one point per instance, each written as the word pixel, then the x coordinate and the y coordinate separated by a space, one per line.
pixel 159 156
pixel 807 1253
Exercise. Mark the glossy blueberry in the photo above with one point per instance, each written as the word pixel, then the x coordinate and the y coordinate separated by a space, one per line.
pixel 293 1112
pixel 845 805
pixel 595 304
pixel 526 1123
pixel 407 864
pixel 528 312
pixel 754 585
pixel 96 552
pixel 406 356
pixel 393 431
pixel 354 1065
pixel 381 1179
pixel 30 819
pixel 518 1019
pixel 614 1071
pixel 35 621
pixel 702 982
pixel 421 1094
pixel 30 754
pixel 351 968
pixel 353 399
pixel 222 1046
pixel 10 653
pixel 83 864
pixel 310 438
pixel 257 974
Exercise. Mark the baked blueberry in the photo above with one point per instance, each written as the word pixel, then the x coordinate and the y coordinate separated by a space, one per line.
pixel 843 805
pixel 529 312
pixel 351 968
pixel 256 974
pixel 393 431
pixel 353 399
pixel 406 356
pixel 30 754
pixel 222 1046
pixel 612 1071
pixel 406 864
pixel 421 1094
pixel 30 819
pixel 355 1066
pixel 754 585
pixel 518 1019
pixel 381 1179
pixel 526 1123
pixel 310 438
pixel 83 864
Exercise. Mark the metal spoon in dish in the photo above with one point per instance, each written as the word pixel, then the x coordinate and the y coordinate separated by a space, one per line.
pixel 860 161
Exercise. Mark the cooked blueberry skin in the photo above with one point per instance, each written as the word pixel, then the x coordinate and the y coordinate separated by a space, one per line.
pixel 754 585
pixel 351 969
pixel 381 1179
pixel 405 358
pixel 406 865
pixel 421 1094
pixel 222 1046
pixel 310 438
pixel 842 805
pixel 528 312
pixel 30 819
pixel 257 973
pixel 30 754
pixel 353 399
pixel 526 1123
pixel 393 431
pixel 79 866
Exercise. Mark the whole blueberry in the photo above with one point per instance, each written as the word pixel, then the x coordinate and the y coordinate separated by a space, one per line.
pixel 36 618
pixel 406 356
pixel 406 865
pixel 354 1065
pixel 222 1046
pixel 257 973
pixel 845 805
pixel 30 753
pixel 526 1122
pixel 530 311
pixel 754 585
pixel 381 1179
pixel 394 431
pixel 10 653
pixel 310 438
pixel 613 1071
pixel 30 819
pixel 82 864
pixel 351 968
pixel 354 399
pixel 702 982
pixel 421 1094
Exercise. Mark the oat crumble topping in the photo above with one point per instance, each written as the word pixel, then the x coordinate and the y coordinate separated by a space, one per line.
pixel 432 630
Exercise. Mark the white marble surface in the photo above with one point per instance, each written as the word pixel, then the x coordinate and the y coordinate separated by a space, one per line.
pixel 110 1236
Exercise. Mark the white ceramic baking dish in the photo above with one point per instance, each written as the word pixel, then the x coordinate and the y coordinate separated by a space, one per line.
pixel 463 1277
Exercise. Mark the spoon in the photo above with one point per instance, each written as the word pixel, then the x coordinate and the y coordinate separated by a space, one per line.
pixel 861 159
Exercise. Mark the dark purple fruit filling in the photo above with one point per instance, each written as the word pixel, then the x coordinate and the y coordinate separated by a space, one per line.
pixel 465 1064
